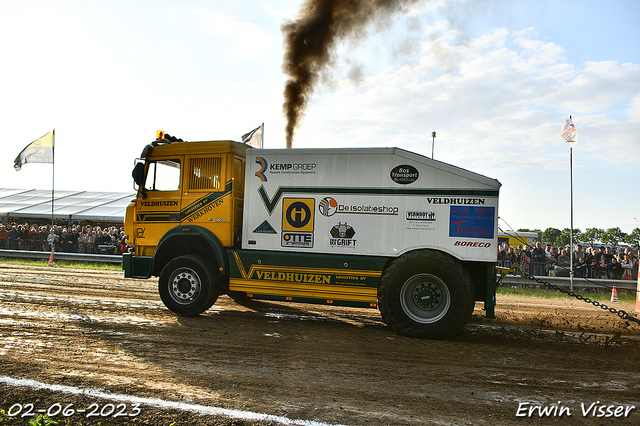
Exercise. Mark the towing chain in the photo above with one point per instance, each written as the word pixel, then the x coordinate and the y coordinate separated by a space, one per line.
pixel 619 312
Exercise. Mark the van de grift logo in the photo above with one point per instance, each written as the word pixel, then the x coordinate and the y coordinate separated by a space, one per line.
pixel 263 167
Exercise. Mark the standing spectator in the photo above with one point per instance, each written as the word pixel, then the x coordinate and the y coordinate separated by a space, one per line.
pixel 630 266
pixel 13 237
pixel 91 242
pixel 41 243
pixel 511 257
pixel 4 237
pixel 538 260
pixel 577 254
pixel 51 239
pixel 614 269
pixel 525 261
pixel 582 268
pixel 563 259
pixel 81 243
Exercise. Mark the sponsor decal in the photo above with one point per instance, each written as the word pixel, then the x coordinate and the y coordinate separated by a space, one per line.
pixel 283 168
pixel 471 244
pixel 263 167
pixel 297 239
pixel 297 214
pixel 464 201
pixel 264 228
pixel 428 216
pixel 404 174
pixel 293 168
pixel 342 236
pixel 328 206
pixel 471 222
pixel 295 277
pixel 420 220
pixel 158 203
pixel 206 209
pixel 205 204
pixel 367 209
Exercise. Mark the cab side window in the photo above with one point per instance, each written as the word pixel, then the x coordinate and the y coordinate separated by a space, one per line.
pixel 204 174
pixel 163 176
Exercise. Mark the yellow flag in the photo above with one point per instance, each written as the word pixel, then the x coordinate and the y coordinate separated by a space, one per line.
pixel 38 151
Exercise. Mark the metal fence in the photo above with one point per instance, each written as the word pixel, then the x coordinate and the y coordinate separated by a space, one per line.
pixel 78 257
pixel 578 283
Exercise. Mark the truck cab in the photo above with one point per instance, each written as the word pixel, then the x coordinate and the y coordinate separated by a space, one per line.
pixel 184 188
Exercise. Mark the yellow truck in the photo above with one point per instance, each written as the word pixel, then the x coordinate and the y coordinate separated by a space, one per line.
pixel 363 227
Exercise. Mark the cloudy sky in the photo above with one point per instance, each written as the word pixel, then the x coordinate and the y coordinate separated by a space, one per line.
pixel 494 79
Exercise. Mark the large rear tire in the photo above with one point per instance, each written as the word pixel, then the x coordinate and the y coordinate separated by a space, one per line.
pixel 426 294
pixel 188 285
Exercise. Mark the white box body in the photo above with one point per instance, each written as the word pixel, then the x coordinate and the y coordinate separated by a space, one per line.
pixel 367 201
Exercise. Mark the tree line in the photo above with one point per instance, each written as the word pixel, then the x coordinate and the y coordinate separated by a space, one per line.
pixel 591 236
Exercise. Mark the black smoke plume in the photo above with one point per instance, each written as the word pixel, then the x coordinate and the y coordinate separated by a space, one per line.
pixel 309 42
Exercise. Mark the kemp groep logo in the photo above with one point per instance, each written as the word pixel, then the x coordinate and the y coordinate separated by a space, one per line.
pixel 263 167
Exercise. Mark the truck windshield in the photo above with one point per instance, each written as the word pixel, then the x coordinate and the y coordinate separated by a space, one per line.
pixel 163 176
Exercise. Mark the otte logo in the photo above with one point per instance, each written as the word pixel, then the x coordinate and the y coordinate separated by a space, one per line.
pixel 263 167
pixel 404 174
pixel 297 239
pixel 297 222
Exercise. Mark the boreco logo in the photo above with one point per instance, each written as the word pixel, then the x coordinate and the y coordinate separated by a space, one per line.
pixel 263 167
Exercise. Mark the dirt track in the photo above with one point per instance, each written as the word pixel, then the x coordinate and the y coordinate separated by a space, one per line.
pixel 97 331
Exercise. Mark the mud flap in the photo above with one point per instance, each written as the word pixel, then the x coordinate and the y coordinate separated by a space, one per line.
pixel 490 300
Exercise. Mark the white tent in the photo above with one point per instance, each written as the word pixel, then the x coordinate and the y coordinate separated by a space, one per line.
pixel 68 205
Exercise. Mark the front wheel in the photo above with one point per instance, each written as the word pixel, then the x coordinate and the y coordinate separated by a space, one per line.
pixel 426 294
pixel 187 285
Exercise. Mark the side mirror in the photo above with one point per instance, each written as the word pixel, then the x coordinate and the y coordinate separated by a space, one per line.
pixel 138 174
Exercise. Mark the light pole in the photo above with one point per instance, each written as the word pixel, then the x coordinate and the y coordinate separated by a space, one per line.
pixel 433 142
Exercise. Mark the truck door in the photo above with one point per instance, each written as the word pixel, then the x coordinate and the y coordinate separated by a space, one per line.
pixel 207 198
pixel 158 206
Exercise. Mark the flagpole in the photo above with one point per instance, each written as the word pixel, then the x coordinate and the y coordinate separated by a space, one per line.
pixel 53 186
pixel 571 191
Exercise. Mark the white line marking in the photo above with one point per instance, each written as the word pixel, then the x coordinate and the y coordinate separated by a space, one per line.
pixel 161 403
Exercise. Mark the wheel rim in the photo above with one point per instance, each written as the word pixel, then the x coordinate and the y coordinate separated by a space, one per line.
pixel 425 298
pixel 184 286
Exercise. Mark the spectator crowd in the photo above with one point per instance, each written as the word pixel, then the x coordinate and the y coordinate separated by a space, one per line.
pixel 70 239
pixel 593 262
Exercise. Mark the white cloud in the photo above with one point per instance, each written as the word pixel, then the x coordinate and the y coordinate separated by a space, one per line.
pixel 245 41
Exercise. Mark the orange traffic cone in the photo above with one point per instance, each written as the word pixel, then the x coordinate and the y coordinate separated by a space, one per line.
pixel 51 260
pixel 614 295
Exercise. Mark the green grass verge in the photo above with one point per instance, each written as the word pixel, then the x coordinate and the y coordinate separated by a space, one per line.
pixel 603 295
pixel 63 264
